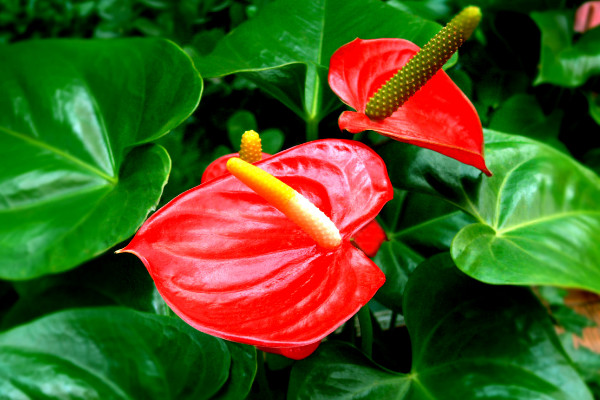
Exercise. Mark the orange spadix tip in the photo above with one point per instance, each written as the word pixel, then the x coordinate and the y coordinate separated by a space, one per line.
pixel 295 206
pixel 251 147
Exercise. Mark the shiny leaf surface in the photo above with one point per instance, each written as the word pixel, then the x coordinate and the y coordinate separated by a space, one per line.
pixel 111 353
pixel 438 117
pixel 563 60
pixel 469 340
pixel 233 266
pixel 538 217
pixel 75 180
pixel 286 48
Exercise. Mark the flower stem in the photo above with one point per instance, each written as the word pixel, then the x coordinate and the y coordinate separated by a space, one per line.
pixel 366 330
pixel 312 129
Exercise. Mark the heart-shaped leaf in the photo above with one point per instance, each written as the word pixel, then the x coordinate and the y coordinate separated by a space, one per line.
pixel 111 353
pixel 286 48
pixel 469 340
pixel 564 61
pixel 538 217
pixel 76 179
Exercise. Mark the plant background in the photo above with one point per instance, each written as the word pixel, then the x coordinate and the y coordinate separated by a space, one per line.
pixel 508 71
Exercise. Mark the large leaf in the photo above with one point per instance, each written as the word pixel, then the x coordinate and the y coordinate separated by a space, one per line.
pixel 286 48
pixel 538 216
pixel 563 61
pixel 469 340
pixel 111 353
pixel 75 179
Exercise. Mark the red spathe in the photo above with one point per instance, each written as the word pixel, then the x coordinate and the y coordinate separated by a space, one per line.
pixel 438 117
pixel 233 266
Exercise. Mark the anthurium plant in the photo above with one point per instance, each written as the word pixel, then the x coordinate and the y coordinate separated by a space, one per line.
pixel 299 200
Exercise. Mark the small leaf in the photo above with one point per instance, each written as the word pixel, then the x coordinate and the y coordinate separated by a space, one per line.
pixel 563 61
pixel 272 140
pixel 239 123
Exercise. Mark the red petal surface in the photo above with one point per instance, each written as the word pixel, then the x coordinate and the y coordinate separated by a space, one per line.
pixel 219 167
pixel 233 266
pixel 370 238
pixel 438 117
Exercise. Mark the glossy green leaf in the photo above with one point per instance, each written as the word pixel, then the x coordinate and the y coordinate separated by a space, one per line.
pixel 469 340
pixel 241 372
pixel 110 353
pixel 76 179
pixel 565 61
pixel 522 115
pixel 538 216
pixel 286 48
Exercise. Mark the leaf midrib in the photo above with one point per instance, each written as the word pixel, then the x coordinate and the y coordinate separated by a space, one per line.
pixel 542 220
pixel 64 155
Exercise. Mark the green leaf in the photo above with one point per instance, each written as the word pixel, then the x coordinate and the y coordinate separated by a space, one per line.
pixel 417 225
pixel 570 319
pixel 397 261
pixel 564 61
pixel 522 115
pixel 469 340
pixel 286 48
pixel 538 216
pixel 241 372
pixel 77 179
pixel 92 284
pixel 587 362
pixel 239 123
pixel 110 353
pixel 594 106
pixel 272 140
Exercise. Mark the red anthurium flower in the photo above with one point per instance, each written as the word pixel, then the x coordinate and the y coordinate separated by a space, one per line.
pixel 438 116
pixel 233 266
pixel 370 238
pixel 587 16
